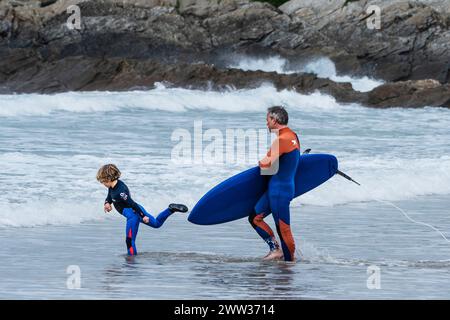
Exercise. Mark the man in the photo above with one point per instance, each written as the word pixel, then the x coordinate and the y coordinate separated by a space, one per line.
pixel 283 156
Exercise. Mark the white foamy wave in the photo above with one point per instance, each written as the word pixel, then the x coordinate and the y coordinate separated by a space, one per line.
pixel 383 179
pixel 38 213
pixel 323 67
pixel 271 64
pixel 162 98
pixel 155 183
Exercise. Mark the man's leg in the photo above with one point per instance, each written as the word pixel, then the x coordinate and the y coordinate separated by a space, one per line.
pixel 281 215
pixel 131 230
pixel 256 219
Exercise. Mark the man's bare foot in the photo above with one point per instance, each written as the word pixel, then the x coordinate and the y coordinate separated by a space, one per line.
pixel 276 254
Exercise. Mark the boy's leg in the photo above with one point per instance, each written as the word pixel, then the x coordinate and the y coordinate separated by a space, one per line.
pixel 256 219
pixel 131 231
pixel 159 220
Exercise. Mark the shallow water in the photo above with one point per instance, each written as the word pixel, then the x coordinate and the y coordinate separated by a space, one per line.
pixel 185 261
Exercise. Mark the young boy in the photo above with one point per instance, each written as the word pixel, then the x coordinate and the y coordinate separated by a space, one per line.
pixel 119 195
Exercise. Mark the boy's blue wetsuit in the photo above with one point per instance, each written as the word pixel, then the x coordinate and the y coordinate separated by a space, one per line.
pixel 134 212
pixel 276 200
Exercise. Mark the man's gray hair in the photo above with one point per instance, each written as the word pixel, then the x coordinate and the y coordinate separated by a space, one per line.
pixel 279 114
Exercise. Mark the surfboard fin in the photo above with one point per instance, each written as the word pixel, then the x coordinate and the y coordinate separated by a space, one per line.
pixel 346 177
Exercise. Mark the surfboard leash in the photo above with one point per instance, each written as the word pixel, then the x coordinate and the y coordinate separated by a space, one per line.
pixel 398 208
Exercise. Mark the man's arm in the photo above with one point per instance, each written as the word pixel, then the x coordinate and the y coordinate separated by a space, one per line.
pixel 279 147
pixel 272 155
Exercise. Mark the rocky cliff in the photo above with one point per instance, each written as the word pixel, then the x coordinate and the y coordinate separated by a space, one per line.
pixel 134 43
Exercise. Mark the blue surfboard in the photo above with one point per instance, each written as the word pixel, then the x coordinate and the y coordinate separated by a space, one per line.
pixel 236 197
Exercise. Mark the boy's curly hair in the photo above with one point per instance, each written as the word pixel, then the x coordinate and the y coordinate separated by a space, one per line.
pixel 108 172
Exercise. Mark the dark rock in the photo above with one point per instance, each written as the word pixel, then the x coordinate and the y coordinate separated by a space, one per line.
pixel 87 74
pixel 45 3
pixel 413 42
pixel 410 94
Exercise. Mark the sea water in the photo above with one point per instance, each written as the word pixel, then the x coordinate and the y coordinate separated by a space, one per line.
pixel 351 242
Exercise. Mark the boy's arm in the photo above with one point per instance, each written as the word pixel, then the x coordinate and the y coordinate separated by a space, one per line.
pixel 125 195
pixel 135 207
pixel 138 210
pixel 109 197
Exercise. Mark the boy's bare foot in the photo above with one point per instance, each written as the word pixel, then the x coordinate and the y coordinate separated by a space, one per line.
pixel 276 254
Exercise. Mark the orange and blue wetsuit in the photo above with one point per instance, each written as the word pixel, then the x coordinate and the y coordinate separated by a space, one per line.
pixel 285 151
